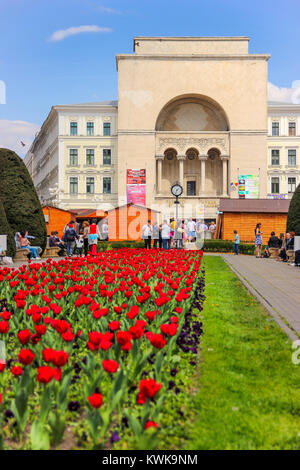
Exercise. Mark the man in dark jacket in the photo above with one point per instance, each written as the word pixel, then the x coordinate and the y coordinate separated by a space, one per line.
pixel 273 241
pixel 69 239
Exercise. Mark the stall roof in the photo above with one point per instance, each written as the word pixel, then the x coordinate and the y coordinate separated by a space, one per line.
pixel 134 205
pixel 255 205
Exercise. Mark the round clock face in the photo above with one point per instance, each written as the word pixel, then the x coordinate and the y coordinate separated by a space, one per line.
pixel 176 190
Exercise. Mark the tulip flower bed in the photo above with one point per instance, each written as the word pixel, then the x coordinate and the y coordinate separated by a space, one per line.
pixel 91 342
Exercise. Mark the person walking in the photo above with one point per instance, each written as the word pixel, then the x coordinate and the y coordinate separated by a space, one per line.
pixel 69 238
pixel 147 234
pixel 191 228
pixel 79 245
pixel 236 242
pixel 165 234
pixel 258 240
pixel 94 234
pixel 85 228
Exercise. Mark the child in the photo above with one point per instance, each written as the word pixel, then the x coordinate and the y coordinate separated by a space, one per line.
pixel 236 242
pixel 79 245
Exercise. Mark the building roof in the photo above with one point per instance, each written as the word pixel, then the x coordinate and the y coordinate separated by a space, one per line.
pixel 255 205
pixel 113 103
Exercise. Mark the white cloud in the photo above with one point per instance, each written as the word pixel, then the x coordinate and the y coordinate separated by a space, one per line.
pixel 111 11
pixel 285 95
pixel 13 132
pixel 64 33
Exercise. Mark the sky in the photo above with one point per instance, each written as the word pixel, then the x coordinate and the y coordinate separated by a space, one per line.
pixel 63 51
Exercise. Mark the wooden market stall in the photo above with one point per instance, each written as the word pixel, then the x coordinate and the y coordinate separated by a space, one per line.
pixel 125 222
pixel 56 219
pixel 243 215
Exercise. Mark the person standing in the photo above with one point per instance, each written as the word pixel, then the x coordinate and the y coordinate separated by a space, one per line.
pixel 94 234
pixel 258 240
pixel 155 235
pixel 69 238
pixel 191 228
pixel 236 242
pixel 178 234
pixel 85 227
pixel 147 234
pixel 104 230
pixel 165 234
pixel 212 230
pixel 79 245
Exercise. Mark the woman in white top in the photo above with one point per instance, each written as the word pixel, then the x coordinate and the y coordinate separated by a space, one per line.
pixel 165 234
pixel 147 234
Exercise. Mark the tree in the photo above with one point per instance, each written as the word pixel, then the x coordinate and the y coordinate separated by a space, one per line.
pixel 6 230
pixel 19 198
pixel 293 219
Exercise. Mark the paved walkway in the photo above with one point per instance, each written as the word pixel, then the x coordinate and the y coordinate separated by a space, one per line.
pixel 275 284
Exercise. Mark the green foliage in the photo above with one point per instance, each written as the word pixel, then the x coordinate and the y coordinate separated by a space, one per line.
pixel 6 230
pixel 293 219
pixel 226 246
pixel 111 245
pixel 19 198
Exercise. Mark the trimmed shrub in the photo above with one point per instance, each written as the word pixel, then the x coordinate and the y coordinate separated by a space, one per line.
pixel 226 246
pixel 6 230
pixel 19 198
pixel 293 219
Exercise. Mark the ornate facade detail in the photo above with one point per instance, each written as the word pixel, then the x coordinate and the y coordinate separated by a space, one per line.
pixel 202 144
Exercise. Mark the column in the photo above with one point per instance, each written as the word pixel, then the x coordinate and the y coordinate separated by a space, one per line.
pixel 224 159
pixel 202 159
pixel 181 159
pixel 159 159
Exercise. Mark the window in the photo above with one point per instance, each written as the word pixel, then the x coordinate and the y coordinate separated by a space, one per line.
pixel 292 128
pixel 106 128
pixel 90 185
pixel 191 188
pixel 275 185
pixel 90 157
pixel 107 185
pixel 89 128
pixel 292 157
pixel 291 185
pixel 106 156
pixel 73 157
pixel 275 157
pixel 73 185
pixel 73 128
pixel 275 128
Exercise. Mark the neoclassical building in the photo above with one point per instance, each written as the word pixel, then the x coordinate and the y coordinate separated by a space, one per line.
pixel 191 110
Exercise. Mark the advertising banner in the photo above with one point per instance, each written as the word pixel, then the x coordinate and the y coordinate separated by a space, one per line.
pixel 136 187
pixel 248 187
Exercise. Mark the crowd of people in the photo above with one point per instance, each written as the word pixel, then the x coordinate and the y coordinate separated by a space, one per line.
pixel 176 233
pixel 79 241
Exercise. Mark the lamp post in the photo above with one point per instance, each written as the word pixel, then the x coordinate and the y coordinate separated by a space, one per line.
pixel 176 190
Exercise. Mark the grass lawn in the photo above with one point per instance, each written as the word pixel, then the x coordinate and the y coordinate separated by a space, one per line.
pixel 248 388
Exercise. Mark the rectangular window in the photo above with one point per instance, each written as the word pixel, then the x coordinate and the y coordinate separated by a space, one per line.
pixel 90 157
pixel 73 128
pixel 191 188
pixel 292 128
pixel 275 157
pixel 291 185
pixel 73 160
pixel 106 128
pixel 275 185
pixel 73 185
pixel 106 156
pixel 90 185
pixel 89 128
pixel 107 185
pixel 292 157
pixel 275 128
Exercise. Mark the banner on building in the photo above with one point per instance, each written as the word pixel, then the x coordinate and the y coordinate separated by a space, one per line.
pixel 136 187
pixel 248 187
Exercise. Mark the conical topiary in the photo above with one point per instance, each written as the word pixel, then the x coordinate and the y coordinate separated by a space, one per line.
pixel 293 219
pixel 19 198
pixel 6 230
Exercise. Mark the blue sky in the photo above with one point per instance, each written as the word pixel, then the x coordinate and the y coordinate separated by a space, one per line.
pixel 41 66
